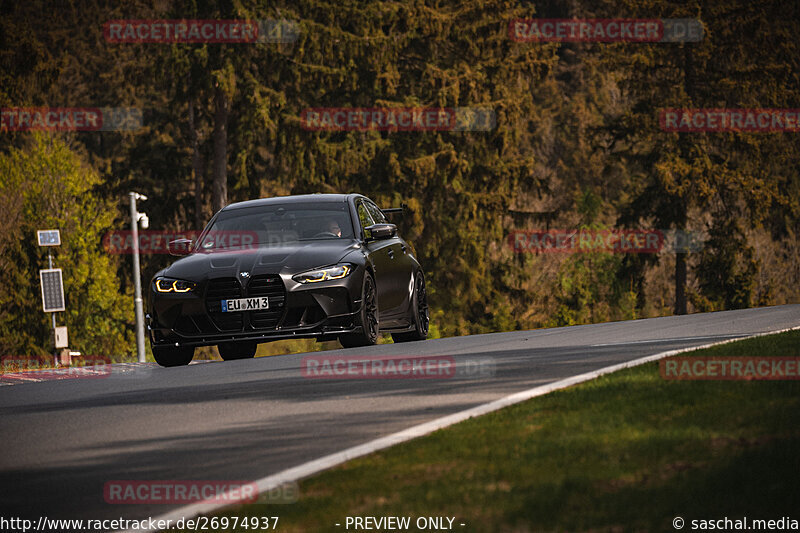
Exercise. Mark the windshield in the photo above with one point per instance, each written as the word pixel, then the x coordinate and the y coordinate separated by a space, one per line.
pixel 277 224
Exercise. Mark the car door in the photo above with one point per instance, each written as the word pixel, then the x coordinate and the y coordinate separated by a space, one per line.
pixel 400 267
pixel 379 254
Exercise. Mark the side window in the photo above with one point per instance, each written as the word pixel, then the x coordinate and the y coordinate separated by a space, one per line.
pixel 363 217
pixel 377 214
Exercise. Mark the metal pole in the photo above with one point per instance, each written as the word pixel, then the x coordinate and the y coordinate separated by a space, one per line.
pixel 137 282
pixel 53 315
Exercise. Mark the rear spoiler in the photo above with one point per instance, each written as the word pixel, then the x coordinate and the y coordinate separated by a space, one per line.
pixel 395 210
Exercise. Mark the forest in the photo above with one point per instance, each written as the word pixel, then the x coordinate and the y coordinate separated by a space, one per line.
pixel 570 135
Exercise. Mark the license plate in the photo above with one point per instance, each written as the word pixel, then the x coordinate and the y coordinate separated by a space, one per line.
pixel 244 304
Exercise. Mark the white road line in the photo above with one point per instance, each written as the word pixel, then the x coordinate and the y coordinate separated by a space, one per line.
pixel 296 473
pixel 674 339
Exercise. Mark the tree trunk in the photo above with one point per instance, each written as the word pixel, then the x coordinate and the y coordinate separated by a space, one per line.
pixel 197 169
pixel 680 284
pixel 686 154
pixel 219 186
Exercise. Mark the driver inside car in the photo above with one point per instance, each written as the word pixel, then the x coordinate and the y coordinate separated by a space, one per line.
pixel 333 227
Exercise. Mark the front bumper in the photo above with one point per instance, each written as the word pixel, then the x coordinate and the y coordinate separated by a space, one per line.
pixel 321 310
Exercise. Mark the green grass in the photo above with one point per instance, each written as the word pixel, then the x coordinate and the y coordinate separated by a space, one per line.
pixel 625 452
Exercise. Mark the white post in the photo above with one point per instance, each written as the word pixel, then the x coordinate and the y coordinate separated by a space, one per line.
pixel 53 314
pixel 137 281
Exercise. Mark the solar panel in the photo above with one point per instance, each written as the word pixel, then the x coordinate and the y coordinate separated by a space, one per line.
pixel 49 237
pixel 52 290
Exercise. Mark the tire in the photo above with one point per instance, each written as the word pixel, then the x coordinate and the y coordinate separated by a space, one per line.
pixel 368 317
pixel 173 355
pixel 420 317
pixel 230 351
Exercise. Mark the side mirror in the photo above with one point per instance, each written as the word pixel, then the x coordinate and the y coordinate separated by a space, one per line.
pixel 377 232
pixel 180 247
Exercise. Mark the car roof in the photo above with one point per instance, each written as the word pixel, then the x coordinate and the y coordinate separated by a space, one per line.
pixel 299 198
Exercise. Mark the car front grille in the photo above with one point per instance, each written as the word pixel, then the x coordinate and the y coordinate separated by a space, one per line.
pixel 269 285
pixel 222 289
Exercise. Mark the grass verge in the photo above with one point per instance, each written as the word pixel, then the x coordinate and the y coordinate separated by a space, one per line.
pixel 625 452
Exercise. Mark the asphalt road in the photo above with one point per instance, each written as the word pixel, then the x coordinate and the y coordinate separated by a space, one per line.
pixel 243 420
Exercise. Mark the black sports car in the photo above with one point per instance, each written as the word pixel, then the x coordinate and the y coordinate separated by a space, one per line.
pixel 323 265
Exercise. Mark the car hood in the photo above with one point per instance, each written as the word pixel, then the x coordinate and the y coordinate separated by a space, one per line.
pixel 286 258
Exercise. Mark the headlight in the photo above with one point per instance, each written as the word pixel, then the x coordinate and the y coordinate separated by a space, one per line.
pixel 324 274
pixel 174 285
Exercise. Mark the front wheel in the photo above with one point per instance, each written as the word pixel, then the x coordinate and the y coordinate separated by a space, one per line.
pixel 420 317
pixel 368 318
pixel 173 355
pixel 230 351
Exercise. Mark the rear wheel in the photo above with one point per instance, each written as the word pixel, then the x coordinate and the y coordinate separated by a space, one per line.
pixel 368 318
pixel 237 350
pixel 173 355
pixel 420 317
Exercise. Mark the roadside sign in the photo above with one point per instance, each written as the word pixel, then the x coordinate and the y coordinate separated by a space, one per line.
pixel 52 290
pixel 49 237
